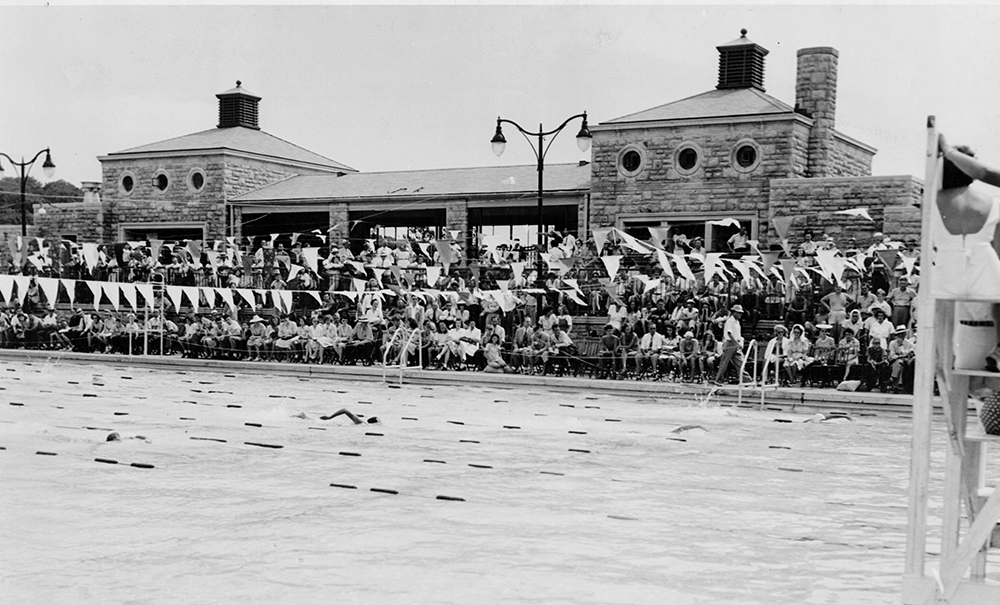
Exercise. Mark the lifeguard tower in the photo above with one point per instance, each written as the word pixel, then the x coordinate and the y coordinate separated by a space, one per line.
pixel 971 507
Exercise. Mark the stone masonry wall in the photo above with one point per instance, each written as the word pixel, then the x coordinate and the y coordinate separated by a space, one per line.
pixel 716 186
pixel 813 202
pixel 846 159
pixel 816 96
pixel 902 223
pixel 86 220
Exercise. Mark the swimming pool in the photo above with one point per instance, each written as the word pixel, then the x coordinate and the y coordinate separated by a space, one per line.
pixel 552 497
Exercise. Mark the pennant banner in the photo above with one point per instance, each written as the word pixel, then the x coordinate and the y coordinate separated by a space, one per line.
pixel 782 224
pixel 70 286
pixel 611 264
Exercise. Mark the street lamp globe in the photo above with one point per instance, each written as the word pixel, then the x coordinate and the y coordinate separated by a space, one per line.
pixel 498 141
pixel 48 167
pixel 583 137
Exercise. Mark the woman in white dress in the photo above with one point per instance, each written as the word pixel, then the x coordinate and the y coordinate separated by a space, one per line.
pixel 966 234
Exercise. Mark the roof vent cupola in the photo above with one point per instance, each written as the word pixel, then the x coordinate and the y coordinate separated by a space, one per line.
pixel 741 64
pixel 238 107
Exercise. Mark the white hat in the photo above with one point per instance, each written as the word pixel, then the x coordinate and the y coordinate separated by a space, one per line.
pixel 256 319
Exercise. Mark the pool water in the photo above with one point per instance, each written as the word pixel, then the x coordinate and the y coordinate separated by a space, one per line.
pixel 553 497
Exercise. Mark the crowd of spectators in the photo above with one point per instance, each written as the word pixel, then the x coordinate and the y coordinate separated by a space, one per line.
pixel 824 333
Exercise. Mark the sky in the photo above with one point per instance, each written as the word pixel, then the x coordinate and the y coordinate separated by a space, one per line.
pixel 405 87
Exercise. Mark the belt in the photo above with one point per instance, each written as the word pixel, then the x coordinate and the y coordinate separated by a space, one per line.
pixel 901 306
pixel 977 324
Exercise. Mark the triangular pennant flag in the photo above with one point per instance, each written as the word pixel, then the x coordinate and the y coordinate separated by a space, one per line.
pixel 231 240
pixel 263 296
pixel 70 286
pixel 146 290
pixel 786 246
pixel 753 265
pixel 659 234
pixel 286 300
pixel 503 284
pixel 433 274
pixel 632 243
pixel 295 238
pixel 425 248
pixel 212 258
pixel 651 284
pixel 174 294
pixel 111 291
pixel 194 247
pixel 710 264
pixel 611 264
pixel 908 263
pixel 36 261
pixel 193 294
pixel 572 283
pixel 600 237
pixel 572 296
pixel 563 265
pixel 95 288
pixel 154 249
pixel 767 260
pixel 683 268
pixel 315 295
pixel 49 287
pixel 665 263
pixel 782 224
pixel 359 285
pixel 742 267
pixel 359 266
pixel 227 297
pixel 6 287
pixel 454 233
pixel 128 291
pixel 824 258
pixel 274 236
pixel 89 255
pixel 861 212
pixel 788 269
pixel 518 270
pixel 293 270
pixel 310 256
pixel 397 273
pixel 247 295
pixel 888 257
pixel 378 275
pixel 22 281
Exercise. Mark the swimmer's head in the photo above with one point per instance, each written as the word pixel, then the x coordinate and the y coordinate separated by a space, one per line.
pixel 374 420
pixel 114 437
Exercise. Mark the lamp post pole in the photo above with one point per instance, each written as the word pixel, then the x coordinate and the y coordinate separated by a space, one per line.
pixel 47 166
pixel 541 149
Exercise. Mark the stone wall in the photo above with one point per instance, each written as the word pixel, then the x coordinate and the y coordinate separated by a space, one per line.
pixel 847 159
pixel 813 202
pixel 902 223
pixel 86 220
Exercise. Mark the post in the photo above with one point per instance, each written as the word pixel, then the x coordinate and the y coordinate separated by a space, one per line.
pixel 539 261
pixel 24 219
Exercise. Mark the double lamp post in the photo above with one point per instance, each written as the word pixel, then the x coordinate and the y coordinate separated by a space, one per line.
pixel 541 149
pixel 47 166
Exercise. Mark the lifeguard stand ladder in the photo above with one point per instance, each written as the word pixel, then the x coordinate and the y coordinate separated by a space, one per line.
pixel 964 470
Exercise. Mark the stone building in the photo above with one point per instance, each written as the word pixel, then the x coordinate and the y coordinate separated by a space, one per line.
pixel 180 188
pixel 738 152
pixel 731 152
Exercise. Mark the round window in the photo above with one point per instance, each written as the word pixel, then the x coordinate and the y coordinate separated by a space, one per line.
pixel 128 183
pixel 687 159
pixel 196 180
pixel 746 156
pixel 161 182
pixel 631 160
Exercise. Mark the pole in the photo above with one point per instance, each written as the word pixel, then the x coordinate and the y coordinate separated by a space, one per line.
pixel 24 219
pixel 539 262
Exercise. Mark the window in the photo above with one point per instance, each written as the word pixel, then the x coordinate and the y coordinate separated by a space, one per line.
pixel 687 158
pixel 126 182
pixel 196 180
pixel 161 182
pixel 745 156
pixel 631 160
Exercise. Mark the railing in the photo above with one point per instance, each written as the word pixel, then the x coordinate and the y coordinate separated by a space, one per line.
pixel 751 349
pixel 403 353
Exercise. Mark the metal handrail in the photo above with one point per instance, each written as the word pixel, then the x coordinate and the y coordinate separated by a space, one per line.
pixel 752 346
pixel 402 353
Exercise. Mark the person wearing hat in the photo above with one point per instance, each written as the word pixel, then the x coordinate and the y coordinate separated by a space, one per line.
pixel 901 359
pixel 732 344
pixel 686 357
pixel 823 354
pixel 259 338
pixel 852 324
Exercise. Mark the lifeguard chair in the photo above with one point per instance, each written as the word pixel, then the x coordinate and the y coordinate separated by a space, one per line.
pixel 960 577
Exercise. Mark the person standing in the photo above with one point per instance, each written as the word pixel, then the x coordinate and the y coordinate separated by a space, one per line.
pixel 732 344
pixel 900 300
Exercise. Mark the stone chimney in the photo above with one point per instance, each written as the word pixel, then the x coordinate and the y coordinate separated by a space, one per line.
pixel 816 97
pixel 238 107
pixel 91 191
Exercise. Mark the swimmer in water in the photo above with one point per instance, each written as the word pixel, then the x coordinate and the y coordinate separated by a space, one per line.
pixel 342 412
pixel 116 437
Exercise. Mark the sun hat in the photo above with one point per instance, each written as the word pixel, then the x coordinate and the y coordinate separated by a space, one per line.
pixel 736 309
pixel 824 327
pixel 689 334
pixel 256 319
pixel 899 330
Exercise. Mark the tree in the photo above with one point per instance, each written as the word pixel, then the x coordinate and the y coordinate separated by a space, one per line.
pixel 55 192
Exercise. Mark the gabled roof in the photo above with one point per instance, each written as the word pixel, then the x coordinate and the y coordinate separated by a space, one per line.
pixel 235 139
pixel 712 104
pixel 440 182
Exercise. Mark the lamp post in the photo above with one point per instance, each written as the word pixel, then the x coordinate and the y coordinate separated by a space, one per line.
pixel 541 149
pixel 47 166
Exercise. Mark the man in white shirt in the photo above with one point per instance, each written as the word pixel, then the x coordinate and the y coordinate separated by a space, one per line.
pixel 650 346
pixel 732 343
